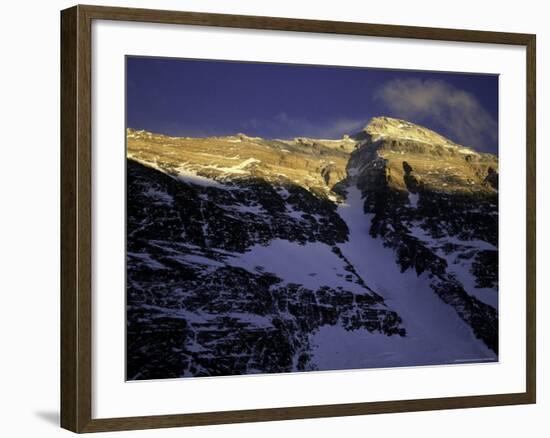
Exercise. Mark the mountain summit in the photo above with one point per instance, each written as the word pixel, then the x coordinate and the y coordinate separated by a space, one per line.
pixel 320 164
pixel 387 127
pixel 413 158
pixel 249 255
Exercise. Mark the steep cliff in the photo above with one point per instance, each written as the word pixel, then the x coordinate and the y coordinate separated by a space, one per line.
pixel 248 255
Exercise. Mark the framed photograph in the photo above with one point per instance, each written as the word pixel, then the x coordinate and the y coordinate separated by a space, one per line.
pixel 269 218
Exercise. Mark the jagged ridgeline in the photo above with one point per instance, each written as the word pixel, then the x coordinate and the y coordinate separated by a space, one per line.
pixel 247 255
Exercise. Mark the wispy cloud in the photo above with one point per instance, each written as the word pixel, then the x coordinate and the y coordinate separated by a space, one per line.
pixel 284 125
pixel 439 104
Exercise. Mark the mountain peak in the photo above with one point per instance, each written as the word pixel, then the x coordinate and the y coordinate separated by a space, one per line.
pixel 411 156
pixel 397 128
pixel 387 127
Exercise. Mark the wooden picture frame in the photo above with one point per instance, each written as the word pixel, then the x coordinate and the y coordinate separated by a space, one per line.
pixel 76 218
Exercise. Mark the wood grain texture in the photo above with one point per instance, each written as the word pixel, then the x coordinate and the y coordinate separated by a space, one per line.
pixel 297 413
pixel 69 330
pixel 531 306
pixel 76 251
pixel 299 25
pixel 76 219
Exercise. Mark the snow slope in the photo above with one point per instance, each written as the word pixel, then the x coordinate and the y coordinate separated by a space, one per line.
pixel 435 333
pixel 290 285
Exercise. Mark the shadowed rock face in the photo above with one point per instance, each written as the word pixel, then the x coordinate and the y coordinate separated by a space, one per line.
pixel 203 301
pixel 194 310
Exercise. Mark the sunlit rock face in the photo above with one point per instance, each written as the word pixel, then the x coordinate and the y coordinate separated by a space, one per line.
pixel 314 164
pixel 250 255
pixel 414 157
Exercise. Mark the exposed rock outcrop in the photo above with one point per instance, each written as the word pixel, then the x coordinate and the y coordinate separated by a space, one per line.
pixel 237 247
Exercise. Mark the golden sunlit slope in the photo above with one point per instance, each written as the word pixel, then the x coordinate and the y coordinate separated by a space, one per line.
pixel 409 156
pixel 310 163
pixel 415 157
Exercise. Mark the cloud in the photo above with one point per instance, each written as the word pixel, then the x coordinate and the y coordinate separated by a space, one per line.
pixel 454 112
pixel 284 126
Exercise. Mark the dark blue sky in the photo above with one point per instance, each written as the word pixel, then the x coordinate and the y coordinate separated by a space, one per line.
pixel 201 98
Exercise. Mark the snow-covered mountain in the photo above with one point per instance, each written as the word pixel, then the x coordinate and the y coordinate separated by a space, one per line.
pixel 247 255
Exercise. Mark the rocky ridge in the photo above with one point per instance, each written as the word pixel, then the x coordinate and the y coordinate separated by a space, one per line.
pixel 237 256
pixel 436 204
pixel 314 164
